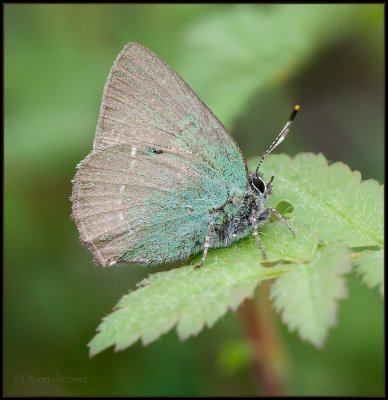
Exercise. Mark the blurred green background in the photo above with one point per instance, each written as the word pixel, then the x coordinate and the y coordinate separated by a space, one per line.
pixel 250 64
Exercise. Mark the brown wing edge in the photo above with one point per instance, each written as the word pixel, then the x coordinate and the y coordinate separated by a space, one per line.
pixel 98 258
pixel 106 87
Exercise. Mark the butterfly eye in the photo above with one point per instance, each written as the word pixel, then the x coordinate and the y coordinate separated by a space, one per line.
pixel 258 184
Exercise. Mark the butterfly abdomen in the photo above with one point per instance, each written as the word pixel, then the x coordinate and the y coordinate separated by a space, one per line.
pixel 232 221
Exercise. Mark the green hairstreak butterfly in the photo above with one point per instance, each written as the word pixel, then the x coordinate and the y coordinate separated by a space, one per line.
pixel 165 180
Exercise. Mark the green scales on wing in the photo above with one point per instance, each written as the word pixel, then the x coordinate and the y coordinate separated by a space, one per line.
pixel 161 164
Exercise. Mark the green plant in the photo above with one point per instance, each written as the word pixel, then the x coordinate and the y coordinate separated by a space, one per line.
pixel 338 221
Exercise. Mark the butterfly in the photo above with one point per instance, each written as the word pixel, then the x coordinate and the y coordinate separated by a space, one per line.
pixel 165 180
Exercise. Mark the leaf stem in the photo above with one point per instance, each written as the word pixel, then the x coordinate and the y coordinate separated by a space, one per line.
pixel 268 354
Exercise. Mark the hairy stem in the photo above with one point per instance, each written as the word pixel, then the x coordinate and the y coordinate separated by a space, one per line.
pixel 269 358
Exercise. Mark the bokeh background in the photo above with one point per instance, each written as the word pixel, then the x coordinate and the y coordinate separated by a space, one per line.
pixel 250 64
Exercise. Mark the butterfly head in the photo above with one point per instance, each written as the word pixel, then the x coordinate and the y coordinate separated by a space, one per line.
pixel 261 189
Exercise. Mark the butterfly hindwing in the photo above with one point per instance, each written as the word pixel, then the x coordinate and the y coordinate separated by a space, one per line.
pixel 136 205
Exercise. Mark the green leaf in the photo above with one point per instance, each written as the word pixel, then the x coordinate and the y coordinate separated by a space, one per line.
pixel 192 299
pixel 329 208
pixel 181 296
pixel 331 199
pixel 370 266
pixel 307 296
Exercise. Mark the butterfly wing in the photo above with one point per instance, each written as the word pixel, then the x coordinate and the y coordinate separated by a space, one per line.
pixel 133 204
pixel 146 103
pixel 144 208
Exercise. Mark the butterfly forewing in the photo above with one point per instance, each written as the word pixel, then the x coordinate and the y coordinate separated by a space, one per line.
pixel 160 164
pixel 146 102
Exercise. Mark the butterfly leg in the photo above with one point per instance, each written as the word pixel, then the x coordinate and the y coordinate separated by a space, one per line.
pixel 257 237
pixel 205 246
pixel 265 215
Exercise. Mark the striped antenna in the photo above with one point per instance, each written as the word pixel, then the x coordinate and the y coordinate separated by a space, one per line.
pixel 279 138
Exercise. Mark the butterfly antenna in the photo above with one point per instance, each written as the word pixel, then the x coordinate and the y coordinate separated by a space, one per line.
pixel 279 138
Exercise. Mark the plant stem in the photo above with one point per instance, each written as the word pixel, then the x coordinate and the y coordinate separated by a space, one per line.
pixel 269 358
